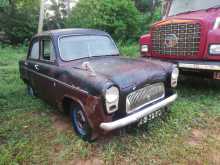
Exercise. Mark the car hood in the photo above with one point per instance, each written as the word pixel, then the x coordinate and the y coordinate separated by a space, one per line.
pixel 126 72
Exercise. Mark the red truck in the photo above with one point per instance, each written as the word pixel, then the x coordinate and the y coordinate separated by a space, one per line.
pixel 188 35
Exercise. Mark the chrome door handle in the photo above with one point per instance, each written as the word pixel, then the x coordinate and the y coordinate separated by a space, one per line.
pixel 37 67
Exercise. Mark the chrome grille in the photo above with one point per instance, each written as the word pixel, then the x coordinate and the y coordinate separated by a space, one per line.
pixel 187 35
pixel 144 96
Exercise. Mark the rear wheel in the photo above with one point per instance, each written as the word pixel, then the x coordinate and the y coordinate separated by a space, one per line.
pixel 80 123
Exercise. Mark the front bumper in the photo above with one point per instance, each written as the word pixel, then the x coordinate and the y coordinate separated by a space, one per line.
pixel 194 64
pixel 210 66
pixel 138 115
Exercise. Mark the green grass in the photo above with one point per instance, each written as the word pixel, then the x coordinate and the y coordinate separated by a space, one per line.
pixel 32 132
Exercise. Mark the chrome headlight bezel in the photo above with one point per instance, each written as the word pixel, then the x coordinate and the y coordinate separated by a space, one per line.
pixel 174 77
pixel 214 49
pixel 112 99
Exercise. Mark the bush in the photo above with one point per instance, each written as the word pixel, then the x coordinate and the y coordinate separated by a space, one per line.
pixel 144 5
pixel 19 20
pixel 120 18
pixel 150 18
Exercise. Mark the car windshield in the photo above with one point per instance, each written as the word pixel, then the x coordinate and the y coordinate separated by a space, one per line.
pixel 182 6
pixel 77 47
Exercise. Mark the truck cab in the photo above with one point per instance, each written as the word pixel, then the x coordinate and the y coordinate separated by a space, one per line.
pixel 188 35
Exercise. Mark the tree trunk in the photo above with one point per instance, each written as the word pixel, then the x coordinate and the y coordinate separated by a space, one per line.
pixel 41 17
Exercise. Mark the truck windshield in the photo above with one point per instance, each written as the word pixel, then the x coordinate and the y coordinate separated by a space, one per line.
pixel 182 6
pixel 77 47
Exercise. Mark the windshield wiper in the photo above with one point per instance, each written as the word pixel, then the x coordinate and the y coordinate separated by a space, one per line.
pixel 105 55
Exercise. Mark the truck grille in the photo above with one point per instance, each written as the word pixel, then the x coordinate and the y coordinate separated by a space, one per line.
pixel 181 39
pixel 144 96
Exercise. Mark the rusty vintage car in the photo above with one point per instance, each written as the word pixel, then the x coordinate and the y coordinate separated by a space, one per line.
pixel 81 72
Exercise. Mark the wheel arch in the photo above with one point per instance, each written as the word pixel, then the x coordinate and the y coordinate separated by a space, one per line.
pixel 68 100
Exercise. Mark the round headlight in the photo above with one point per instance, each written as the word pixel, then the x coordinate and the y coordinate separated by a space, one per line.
pixel 112 95
pixel 174 77
pixel 175 73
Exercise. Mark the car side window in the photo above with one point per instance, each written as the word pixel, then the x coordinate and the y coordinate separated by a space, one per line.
pixel 34 54
pixel 48 53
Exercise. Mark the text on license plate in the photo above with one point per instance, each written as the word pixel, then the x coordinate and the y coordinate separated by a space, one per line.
pixel 150 117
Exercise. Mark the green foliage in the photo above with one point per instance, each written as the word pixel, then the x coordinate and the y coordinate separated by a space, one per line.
pixel 144 5
pixel 4 3
pixel 149 18
pixel 125 20
pixel 151 12
pixel 120 18
pixel 147 5
pixel 131 50
pixel 19 20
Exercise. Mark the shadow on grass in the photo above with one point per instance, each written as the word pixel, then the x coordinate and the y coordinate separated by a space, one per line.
pixel 198 83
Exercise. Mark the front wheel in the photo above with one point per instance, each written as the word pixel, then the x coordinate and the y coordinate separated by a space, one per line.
pixel 80 123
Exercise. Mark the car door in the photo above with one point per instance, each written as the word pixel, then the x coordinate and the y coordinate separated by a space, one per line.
pixel 47 68
pixel 31 64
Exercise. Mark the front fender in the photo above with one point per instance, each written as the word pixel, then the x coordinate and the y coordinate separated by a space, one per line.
pixel 94 85
pixel 145 40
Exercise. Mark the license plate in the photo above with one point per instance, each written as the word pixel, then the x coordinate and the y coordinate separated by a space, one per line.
pixel 150 117
pixel 217 75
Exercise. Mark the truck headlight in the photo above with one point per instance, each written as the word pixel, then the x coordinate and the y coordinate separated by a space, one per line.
pixel 112 99
pixel 144 48
pixel 174 77
pixel 217 23
pixel 214 49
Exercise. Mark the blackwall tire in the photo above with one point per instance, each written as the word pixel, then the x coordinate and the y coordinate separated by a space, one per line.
pixel 80 123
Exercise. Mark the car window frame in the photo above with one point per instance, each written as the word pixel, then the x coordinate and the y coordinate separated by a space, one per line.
pixel 30 50
pixel 70 35
pixel 41 59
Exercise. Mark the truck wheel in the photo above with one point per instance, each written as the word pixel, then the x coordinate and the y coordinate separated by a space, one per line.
pixel 80 123
pixel 30 91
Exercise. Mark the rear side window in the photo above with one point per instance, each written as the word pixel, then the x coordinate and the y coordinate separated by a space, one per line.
pixel 48 52
pixel 35 51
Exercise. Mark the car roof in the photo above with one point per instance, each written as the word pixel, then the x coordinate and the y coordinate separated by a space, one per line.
pixel 73 31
